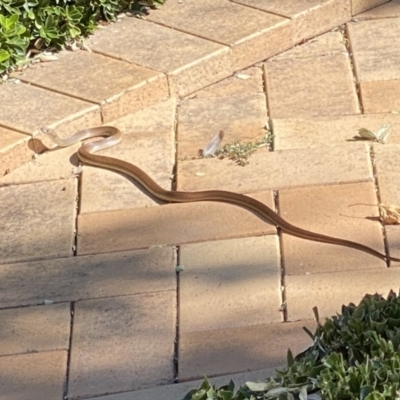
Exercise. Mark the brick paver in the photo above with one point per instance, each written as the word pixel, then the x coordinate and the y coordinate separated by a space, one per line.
pixel 330 43
pixel 34 376
pixel 310 18
pixel 246 348
pixel 88 277
pixel 55 165
pixel 376 48
pixel 248 81
pixel 195 64
pixel 242 117
pixel 122 343
pixel 213 279
pixel 381 96
pixel 290 81
pixel 331 290
pixel 34 329
pixel 293 75
pixel 388 169
pixel 393 238
pixel 278 169
pixel 38 220
pixel 359 6
pixel 390 9
pixel 65 112
pixel 116 77
pixel 149 142
pixel 253 35
pixel 112 319
pixel 328 210
pixel 321 132
pixel 376 59
pixel 13 150
pixel 167 224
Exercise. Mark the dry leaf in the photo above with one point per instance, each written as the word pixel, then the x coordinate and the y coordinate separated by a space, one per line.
pixel 389 214
pixel 38 43
pixel 47 58
pixel 213 145
pixel 242 76
pixel 380 136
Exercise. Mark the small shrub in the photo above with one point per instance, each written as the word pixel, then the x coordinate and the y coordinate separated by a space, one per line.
pixel 355 355
pixel 38 24
pixel 14 41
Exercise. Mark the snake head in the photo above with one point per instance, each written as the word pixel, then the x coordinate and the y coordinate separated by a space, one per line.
pixel 49 134
pixel 45 129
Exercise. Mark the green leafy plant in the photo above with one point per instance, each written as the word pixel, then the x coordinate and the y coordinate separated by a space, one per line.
pixel 38 24
pixel 141 7
pixel 240 152
pixel 13 41
pixel 354 355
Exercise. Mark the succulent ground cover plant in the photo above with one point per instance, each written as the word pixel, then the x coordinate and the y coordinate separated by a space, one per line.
pixel 39 24
pixel 355 355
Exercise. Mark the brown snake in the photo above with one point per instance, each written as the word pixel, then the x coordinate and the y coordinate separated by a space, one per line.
pixel 113 136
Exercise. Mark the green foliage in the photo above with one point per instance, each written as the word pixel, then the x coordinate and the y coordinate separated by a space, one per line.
pixel 240 152
pixel 355 355
pixel 13 41
pixel 43 23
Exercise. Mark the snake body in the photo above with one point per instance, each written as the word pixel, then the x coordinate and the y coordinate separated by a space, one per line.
pixel 113 136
